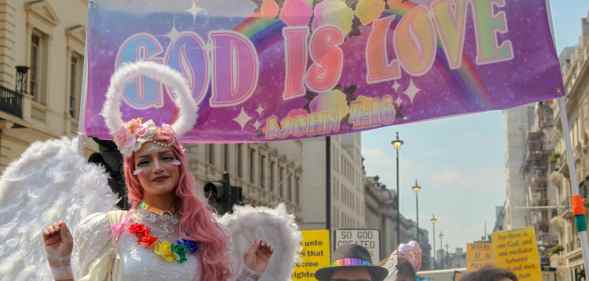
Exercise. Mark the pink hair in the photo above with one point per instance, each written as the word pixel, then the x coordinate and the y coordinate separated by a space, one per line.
pixel 196 221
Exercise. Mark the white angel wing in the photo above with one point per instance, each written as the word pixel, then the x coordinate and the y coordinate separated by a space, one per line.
pixel 51 181
pixel 274 226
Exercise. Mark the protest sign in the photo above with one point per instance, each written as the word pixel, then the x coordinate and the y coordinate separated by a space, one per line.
pixel 367 238
pixel 517 251
pixel 314 254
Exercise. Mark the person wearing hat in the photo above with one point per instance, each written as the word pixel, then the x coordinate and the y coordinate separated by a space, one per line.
pixel 352 263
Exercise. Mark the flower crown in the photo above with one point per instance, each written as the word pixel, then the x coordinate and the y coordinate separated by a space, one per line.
pixel 130 136
pixel 135 133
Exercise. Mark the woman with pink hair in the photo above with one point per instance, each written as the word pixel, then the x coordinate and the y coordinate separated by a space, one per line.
pixel 168 234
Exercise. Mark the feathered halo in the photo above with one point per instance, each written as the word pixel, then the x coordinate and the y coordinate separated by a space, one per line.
pixel 131 135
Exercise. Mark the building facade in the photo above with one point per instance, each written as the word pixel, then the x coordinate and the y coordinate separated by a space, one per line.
pixel 347 191
pixel 517 124
pixel 575 66
pixel 41 67
pixel 269 173
pixel 381 215
pixel 545 169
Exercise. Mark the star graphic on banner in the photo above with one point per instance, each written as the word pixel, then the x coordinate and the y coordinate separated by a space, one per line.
pixel 242 118
pixel 194 10
pixel 173 34
pixel 257 125
pixel 260 110
pixel 412 91
pixel 396 86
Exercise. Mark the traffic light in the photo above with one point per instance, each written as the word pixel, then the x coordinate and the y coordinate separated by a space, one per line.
pixel 222 195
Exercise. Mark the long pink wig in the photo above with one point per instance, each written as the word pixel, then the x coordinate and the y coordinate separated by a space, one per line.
pixel 196 221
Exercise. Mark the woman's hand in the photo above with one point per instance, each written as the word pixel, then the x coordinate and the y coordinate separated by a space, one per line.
pixel 258 256
pixel 58 243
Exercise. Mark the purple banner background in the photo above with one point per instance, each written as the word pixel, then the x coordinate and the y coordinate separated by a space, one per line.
pixel 532 75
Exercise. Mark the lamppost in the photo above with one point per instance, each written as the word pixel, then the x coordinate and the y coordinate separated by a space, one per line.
pixel 434 220
pixel 442 250
pixel 397 146
pixel 417 189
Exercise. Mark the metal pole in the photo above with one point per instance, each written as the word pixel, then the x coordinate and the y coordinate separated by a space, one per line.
pixel 417 215
pixel 397 199
pixel 328 183
pixel 442 250
pixel 434 239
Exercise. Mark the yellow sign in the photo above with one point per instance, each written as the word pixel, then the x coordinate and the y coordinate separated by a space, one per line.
pixel 517 251
pixel 315 254
pixel 478 255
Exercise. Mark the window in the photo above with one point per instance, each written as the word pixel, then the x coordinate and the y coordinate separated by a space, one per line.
pixel 252 153
pixel 239 160
pixel 211 153
pixel 272 177
pixel 76 68
pixel 289 191
pixel 297 190
pixel 281 182
pixel 226 158
pixel 38 65
pixel 262 171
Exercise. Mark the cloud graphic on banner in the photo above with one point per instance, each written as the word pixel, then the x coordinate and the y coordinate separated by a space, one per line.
pixel 297 12
pixel 334 12
pixel 369 10
pixel 333 102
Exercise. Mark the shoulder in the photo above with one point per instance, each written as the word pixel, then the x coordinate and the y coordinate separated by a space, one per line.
pixel 99 222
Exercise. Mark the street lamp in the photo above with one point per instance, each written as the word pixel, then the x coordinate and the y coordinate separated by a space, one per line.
pixel 417 189
pixel 434 220
pixel 396 143
pixel 442 250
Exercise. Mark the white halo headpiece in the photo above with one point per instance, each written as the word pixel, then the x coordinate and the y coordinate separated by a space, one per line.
pixel 181 95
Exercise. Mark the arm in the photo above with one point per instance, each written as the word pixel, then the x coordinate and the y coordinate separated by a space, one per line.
pixel 58 242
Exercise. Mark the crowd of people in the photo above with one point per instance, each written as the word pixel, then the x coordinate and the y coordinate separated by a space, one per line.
pixel 353 263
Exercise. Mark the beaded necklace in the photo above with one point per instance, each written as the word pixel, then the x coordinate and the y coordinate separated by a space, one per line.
pixel 170 252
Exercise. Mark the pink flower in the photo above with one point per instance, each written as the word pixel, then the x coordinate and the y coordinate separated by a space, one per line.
pixel 123 138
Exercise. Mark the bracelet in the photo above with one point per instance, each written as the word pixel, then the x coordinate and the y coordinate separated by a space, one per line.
pixel 62 272
pixel 248 275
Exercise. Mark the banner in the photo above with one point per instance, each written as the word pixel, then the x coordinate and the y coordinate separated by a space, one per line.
pixel 517 251
pixel 478 255
pixel 286 69
pixel 314 255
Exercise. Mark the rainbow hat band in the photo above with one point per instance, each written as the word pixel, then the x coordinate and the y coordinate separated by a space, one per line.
pixel 352 256
pixel 351 262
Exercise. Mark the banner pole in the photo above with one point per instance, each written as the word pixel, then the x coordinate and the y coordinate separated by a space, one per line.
pixel 578 202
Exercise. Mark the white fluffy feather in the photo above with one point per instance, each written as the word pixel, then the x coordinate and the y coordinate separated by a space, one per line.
pixel 274 226
pixel 111 110
pixel 51 181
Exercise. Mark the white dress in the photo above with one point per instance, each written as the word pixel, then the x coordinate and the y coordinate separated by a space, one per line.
pixel 99 257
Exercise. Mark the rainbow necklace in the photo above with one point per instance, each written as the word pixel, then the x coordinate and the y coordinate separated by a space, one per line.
pixel 169 252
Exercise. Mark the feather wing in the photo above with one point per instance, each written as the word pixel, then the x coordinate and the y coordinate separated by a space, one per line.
pixel 51 181
pixel 274 226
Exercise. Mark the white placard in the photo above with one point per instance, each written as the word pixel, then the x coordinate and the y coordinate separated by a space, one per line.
pixel 368 238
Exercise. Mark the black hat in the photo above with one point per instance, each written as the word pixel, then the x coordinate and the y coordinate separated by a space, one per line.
pixel 352 256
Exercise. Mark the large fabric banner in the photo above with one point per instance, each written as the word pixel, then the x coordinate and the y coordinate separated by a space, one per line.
pixel 284 69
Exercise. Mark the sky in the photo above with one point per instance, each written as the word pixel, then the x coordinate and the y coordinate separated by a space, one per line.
pixel 458 161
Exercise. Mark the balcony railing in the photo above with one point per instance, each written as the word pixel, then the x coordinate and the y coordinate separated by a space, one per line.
pixel 11 101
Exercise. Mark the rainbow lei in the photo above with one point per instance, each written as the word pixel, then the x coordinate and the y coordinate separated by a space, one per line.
pixel 170 252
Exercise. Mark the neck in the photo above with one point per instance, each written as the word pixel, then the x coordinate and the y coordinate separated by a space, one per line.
pixel 165 202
